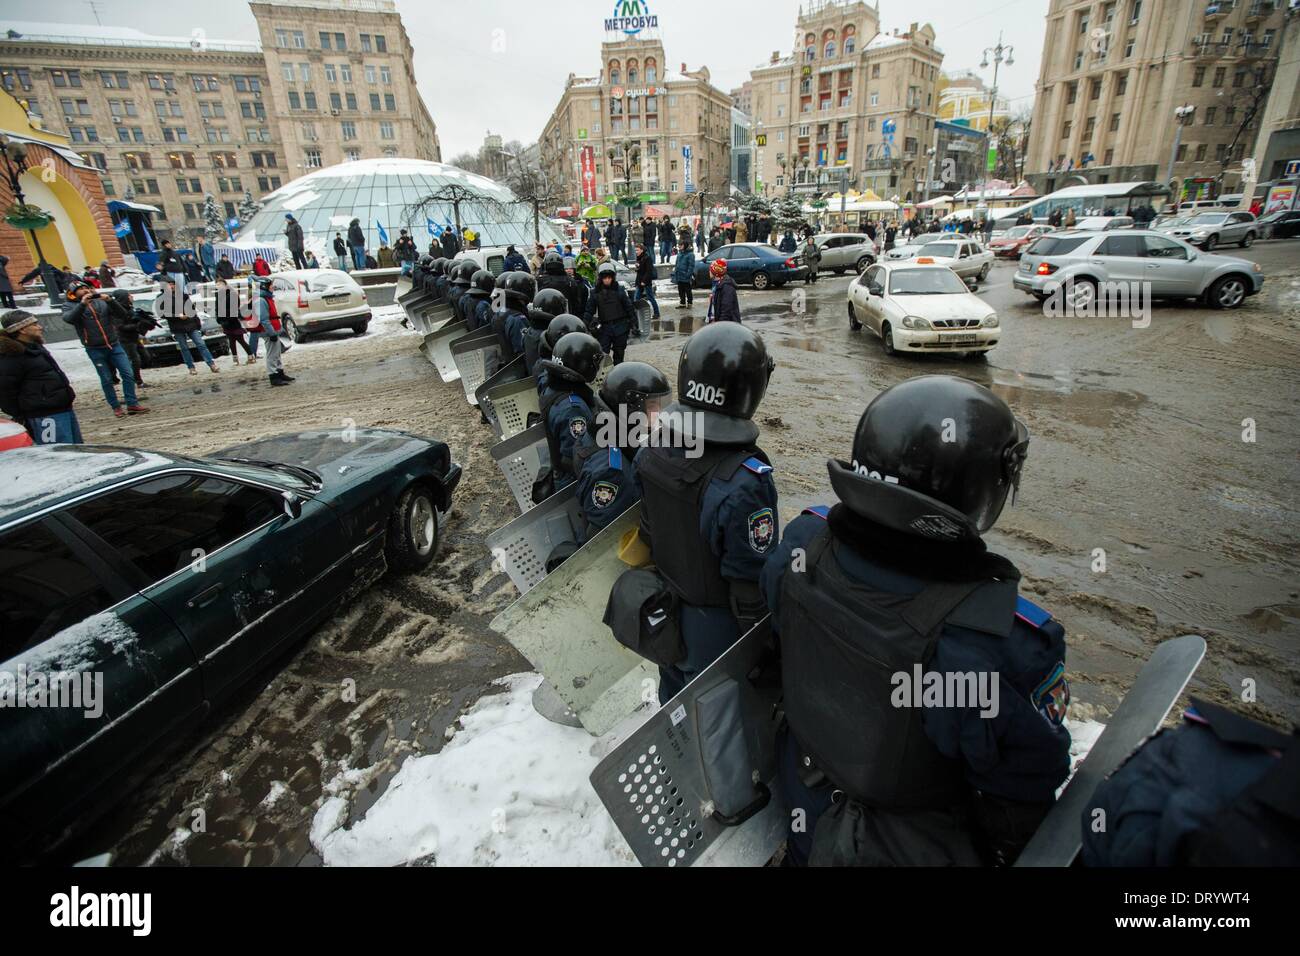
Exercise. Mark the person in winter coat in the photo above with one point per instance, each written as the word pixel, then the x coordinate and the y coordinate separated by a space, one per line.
pixel 406 253
pixel 341 258
pixel 514 262
pixel 357 243
pixel 449 244
pixel 169 261
pixel 610 313
pixel 208 259
pixel 225 268
pixel 132 325
pixel 260 266
pixel 95 315
pixel 789 244
pixel 665 239
pixel 724 301
pixel 742 232
pixel 612 239
pixel 812 258
pixel 229 314
pixel 34 391
pixel 173 307
pixel 716 240
pixel 583 267
pixel 6 285
pixel 645 278
pixel 890 232
pixel 370 262
pixel 293 236
pixel 684 275
pixel 312 262
pixel 269 318
pixel 385 258
pixel 649 238
pixel 701 242
pixel 193 271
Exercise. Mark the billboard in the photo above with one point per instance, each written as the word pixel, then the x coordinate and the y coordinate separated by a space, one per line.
pixel 587 159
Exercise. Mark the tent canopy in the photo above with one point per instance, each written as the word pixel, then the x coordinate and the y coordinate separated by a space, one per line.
pixel 598 211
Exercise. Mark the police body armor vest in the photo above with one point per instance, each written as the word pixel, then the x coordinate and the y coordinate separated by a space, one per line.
pixel 561 393
pixel 532 347
pixel 842 641
pixel 673 489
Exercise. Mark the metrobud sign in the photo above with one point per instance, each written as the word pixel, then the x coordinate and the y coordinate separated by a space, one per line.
pixel 631 17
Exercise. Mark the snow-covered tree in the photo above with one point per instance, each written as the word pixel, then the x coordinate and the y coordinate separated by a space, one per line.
pixel 248 208
pixel 214 225
pixel 753 205
pixel 787 213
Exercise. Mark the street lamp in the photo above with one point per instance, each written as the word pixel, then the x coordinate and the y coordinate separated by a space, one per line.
pixel 14 154
pixel 1000 54
pixel 1182 117
pixel 629 152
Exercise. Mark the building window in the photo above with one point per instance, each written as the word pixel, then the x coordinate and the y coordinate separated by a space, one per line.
pixel 365 43
pixel 336 102
pixel 370 74
pixel 115 79
pixel 850 39
pixel 875 71
pixel 313 158
pixel 17 77
pixel 352 155
pixel 386 130
pixel 374 102
pixel 351 100
pixel 309 131
pixel 381 44
pixel 1066 127
pixel 324 40
pixel 66 78
pixel 1121 85
pixel 295 101
pixel 299 40
pixel 1219 74
pixel 340 41
pixel 1095 93
pixel 309 100
pixel 281 37
pixel 385 76
pixel 345 72
pixel 331 75
pixel 349 130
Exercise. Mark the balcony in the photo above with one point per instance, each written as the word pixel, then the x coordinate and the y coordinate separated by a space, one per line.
pixel 1219 10
pixel 1258 11
pixel 1210 49
pixel 1252 49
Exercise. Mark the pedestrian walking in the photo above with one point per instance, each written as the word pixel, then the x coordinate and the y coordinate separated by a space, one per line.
pixel 294 237
pixel 341 252
pixel 645 278
pixel 94 315
pixel 34 391
pixel 174 308
pixel 6 285
pixel 684 276
pixel 891 232
pixel 649 239
pixel 724 300
pixel 107 276
pixel 789 244
pixel 700 238
pixel 229 314
pixel 169 262
pixel 812 258
pixel 665 239
pixel 132 325
pixel 357 243
pixel 270 328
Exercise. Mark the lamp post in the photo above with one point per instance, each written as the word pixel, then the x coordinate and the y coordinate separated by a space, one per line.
pixel 15 162
pixel 1000 53
pixel 629 152
pixel 1182 116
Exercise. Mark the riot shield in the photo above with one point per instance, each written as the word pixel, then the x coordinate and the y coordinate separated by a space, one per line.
pixel 477 356
pixel 437 349
pixel 696 783
pixel 403 286
pixel 427 316
pixel 513 371
pixel 558 626
pixel 522 458
pixel 512 403
pixel 523 545
pixel 644 316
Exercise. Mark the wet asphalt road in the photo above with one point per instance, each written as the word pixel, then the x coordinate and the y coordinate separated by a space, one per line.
pixel 1136 450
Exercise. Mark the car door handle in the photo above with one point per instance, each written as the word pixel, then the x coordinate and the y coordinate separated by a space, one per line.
pixel 204 598
pixel 1153 265
pixel 1096 262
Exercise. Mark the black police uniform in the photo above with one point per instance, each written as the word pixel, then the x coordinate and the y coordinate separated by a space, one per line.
pixel 610 312
pixel 566 409
pixel 606 485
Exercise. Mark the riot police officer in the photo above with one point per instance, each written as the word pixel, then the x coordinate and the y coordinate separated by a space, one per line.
pixel 439 277
pixel 610 312
pixel 479 298
pixel 895 581
pixel 554 277
pixel 458 280
pixel 630 400
pixel 465 304
pixel 709 509
pixel 517 292
pixel 546 305
pixel 560 326
pixel 566 407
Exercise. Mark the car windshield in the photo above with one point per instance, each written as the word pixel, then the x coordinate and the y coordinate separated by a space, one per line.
pixel 941 250
pixel 1208 219
pixel 1017 232
pixel 1058 245
pixel 925 282
pixel 328 279
pixel 927 237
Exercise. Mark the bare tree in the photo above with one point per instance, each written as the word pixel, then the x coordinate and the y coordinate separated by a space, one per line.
pixel 534 184
pixel 1012 136
pixel 458 197
pixel 1250 101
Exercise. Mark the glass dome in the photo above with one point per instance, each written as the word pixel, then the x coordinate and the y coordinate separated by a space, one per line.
pixel 385 192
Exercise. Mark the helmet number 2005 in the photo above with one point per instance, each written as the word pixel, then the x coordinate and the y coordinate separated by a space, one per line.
pixel 708 394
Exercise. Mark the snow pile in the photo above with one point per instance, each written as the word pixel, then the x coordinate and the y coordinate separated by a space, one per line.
pixel 33 476
pixel 74 648
pixel 509 789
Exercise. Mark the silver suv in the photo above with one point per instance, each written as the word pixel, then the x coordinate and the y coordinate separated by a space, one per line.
pixel 842 251
pixel 1217 228
pixel 1170 268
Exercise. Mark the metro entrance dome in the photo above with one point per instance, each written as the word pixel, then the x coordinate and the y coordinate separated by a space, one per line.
pixel 385 192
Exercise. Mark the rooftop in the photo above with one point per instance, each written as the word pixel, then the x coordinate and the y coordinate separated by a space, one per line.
pixel 80 34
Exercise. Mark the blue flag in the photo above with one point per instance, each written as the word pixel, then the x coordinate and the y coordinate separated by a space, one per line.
pixel 122 229
pixel 383 234
pixel 433 229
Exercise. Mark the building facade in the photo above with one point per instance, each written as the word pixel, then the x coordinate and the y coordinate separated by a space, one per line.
pixel 635 106
pixel 742 152
pixel 964 99
pixel 167 121
pixel 851 106
pixel 1114 73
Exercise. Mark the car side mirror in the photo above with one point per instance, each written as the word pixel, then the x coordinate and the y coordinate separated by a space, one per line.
pixel 874 289
pixel 292 506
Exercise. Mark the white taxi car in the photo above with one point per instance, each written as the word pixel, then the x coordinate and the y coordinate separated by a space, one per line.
pixel 920 305
pixel 963 255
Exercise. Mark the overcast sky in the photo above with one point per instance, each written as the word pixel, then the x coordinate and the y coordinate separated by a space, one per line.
pixel 500 65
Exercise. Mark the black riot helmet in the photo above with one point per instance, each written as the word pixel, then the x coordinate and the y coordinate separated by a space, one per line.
pixel 553 264
pixel 439 266
pixel 519 288
pixel 482 283
pixel 462 273
pixel 559 327
pixel 546 305
pixel 426 260
pixel 631 385
pixel 934 456
pixel 576 358
pixel 721 377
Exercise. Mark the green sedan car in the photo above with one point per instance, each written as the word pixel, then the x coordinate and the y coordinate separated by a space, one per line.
pixel 138 590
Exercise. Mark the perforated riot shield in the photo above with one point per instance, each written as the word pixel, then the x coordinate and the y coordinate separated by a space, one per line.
pixel 513 371
pixel 644 316
pixel 522 546
pixel 477 356
pixel 437 349
pixel 512 403
pixel 403 286
pixel 558 626
pixel 696 783
pixel 427 316
pixel 522 458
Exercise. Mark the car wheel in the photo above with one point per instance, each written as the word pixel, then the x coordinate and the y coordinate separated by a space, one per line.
pixel 1082 296
pixel 412 531
pixel 360 328
pixel 974 356
pixel 291 330
pixel 984 273
pixel 854 324
pixel 761 281
pixel 1208 245
pixel 864 264
pixel 1248 240
pixel 838 272
pixel 1228 293
pixel 887 339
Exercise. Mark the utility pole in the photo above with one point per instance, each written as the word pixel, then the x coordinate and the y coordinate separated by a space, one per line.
pixel 1000 53
pixel 1182 116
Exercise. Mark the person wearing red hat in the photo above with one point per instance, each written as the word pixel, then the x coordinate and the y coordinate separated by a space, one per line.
pixel 724 302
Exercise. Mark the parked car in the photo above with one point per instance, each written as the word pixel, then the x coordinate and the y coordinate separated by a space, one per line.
pixel 1210 229
pixel 1079 261
pixel 917 306
pixel 1014 240
pixel 913 247
pixel 757 263
pixel 13 435
pixel 177 580
pixel 1001 227
pixel 1283 224
pixel 964 256
pixel 159 348
pixel 1103 223
pixel 843 251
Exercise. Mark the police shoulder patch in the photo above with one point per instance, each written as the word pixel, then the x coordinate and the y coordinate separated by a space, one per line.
pixel 762 530
pixel 757 466
pixel 603 494
pixel 616 459
pixel 577 426
pixel 1051 697
pixel 821 511
pixel 1031 613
